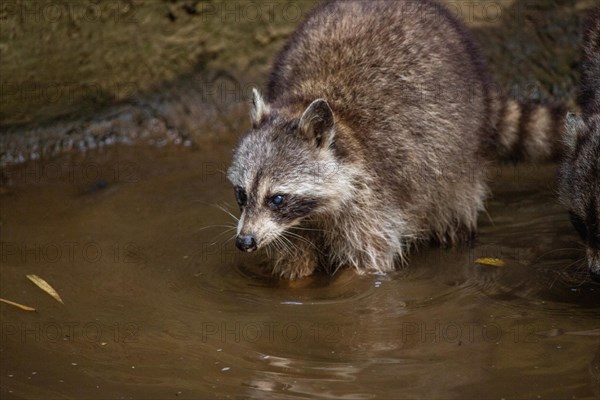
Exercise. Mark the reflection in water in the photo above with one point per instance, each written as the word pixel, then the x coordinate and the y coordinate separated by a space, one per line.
pixel 157 304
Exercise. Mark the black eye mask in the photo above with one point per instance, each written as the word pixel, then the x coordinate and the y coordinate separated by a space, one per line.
pixel 579 225
pixel 240 196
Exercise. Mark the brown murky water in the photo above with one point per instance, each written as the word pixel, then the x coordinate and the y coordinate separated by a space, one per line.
pixel 154 310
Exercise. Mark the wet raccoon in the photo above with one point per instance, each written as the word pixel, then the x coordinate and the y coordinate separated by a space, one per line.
pixel 579 182
pixel 378 126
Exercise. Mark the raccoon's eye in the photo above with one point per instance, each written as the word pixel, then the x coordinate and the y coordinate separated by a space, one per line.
pixel 277 200
pixel 579 225
pixel 240 196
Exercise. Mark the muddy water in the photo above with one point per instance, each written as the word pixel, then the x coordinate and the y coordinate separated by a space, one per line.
pixel 158 304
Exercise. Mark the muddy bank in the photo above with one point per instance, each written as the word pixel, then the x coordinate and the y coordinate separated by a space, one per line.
pixel 64 59
pixel 85 75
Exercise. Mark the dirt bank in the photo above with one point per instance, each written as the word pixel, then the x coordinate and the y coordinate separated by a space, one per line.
pixel 86 74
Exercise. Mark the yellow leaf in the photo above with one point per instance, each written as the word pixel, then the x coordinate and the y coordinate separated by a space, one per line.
pixel 42 284
pixel 494 262
pixel 21 306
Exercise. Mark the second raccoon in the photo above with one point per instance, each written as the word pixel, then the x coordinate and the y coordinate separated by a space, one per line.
pixel 377 128
pixel 579 184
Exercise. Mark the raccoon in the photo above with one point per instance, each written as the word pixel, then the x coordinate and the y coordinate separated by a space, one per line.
pixel 579 174
pixel 379 123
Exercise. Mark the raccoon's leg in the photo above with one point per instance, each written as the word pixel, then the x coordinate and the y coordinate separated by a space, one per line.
pixel 367 244
pixel 298 259
pixel 380 260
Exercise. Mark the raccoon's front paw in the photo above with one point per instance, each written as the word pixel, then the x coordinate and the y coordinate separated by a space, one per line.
pixel 295 267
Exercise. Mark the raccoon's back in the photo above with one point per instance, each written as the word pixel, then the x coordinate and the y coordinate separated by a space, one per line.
pixel 380 63
pixel 590 75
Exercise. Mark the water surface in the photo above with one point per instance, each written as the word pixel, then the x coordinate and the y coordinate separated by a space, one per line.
pixel 159 304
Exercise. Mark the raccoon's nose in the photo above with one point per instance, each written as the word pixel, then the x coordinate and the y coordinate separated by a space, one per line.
pixel 245 243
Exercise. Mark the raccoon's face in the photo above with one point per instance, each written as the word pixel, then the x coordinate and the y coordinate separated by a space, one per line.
pixel 284 172
pixel 580 184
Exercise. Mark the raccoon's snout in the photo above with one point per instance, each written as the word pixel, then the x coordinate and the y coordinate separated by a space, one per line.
pixel 594 261
pixel 246 243
pixel 595 275
pixel 593 256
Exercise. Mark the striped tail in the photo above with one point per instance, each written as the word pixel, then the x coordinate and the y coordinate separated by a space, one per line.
pixel 530 132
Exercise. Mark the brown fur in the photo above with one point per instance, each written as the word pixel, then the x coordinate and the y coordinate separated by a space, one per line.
pixel 407 123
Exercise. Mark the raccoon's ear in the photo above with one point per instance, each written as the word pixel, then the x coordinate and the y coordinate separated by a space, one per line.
pixel 574 125
pixel 316 123
pixel 258 109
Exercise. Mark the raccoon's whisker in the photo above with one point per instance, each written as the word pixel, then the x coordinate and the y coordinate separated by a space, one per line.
pixel 273 245
pixel 337 268
pixel 225 242
pixel 218 206
pixel 291 245
pixel 485 211
pixel 285 245
pixel 279 246
pixel 296 236
pixel 214 226
pixel 554 251
pixel 228 228
pixel 580 246
pixel 231 238
pixel 307 229
pixel 581 268
pixel 221 234
pixel 578 270
pixel 276 245
pixel 227 212
pixel 577 262
pixel 554 281
pixel 268 248
pixel 206 203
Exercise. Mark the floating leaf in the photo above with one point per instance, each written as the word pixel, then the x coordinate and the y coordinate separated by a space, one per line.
pixel 21 306
pixel 42 284
pixel 494 262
